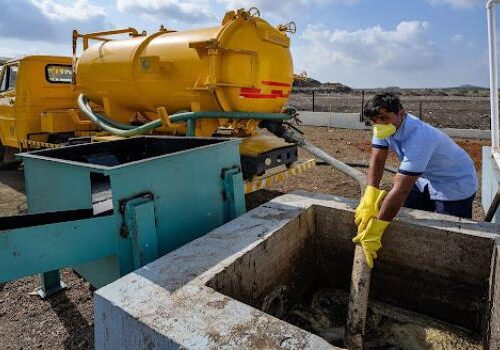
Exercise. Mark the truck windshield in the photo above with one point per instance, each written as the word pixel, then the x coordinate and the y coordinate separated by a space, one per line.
pixel 9 78
pixel 58 73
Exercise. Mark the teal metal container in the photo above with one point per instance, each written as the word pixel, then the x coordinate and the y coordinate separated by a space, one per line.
pixel 108 208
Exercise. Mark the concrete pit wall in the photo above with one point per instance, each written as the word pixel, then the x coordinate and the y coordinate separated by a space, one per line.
pixel 210 293
pixel 433 272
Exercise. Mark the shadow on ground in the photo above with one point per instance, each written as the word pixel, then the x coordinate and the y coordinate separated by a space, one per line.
pixel 79 330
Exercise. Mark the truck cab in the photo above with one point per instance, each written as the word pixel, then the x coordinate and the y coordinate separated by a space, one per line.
pixel 38 104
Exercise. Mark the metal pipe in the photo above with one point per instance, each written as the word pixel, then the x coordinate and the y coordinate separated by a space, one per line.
pixel 360 277
pixel 191 127
pixel 314 104
pixel 191 117
pixel 361 165
pixel 337 164
pixel 295 137
pixel 184 116
pixel 495 203
pixel 490 5
pixel 361 114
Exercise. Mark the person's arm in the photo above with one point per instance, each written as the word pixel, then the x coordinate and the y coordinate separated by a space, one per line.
pixel 376 167
pixel 396 197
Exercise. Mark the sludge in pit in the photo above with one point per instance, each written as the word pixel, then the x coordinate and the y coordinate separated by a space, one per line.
pixel 387 327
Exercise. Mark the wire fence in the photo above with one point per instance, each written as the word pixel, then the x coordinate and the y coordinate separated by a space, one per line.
pixel 468 112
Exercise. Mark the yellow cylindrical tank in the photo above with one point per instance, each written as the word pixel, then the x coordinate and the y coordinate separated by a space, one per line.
pixel 243 65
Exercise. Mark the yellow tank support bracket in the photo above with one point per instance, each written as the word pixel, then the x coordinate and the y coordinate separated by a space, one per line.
pixel 266 181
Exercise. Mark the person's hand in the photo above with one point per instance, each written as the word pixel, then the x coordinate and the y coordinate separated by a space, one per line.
pixel 371 239
pixel 369 206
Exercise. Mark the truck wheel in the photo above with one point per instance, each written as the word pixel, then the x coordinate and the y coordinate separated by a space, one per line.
pixel 7 159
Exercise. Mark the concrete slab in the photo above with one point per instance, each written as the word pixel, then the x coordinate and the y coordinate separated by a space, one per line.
pixel 333 120
pixel 351 121
pixel 209 293
pixel 467 133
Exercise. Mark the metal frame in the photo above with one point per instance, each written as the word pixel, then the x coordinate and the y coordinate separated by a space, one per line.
pixel 158 200
pixel 495 130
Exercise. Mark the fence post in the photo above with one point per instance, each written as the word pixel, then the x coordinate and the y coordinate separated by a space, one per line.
pixel 362 106
pixel 314 94
pixel 420 110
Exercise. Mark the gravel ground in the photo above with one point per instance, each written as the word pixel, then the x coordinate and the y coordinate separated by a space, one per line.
pixel 65 320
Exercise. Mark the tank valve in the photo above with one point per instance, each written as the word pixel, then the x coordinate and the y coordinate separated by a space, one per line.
pixel 254 12
pixel 289 27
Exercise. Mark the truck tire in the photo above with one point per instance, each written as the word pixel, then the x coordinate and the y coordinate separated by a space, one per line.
pixel 2 152
pixel 7 159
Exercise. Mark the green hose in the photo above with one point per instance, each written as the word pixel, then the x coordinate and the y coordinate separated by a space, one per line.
pixel 114 123
pixel 189 117
pixel 83 103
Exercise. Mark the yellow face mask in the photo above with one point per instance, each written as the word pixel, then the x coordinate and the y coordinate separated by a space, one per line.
pixel 383 131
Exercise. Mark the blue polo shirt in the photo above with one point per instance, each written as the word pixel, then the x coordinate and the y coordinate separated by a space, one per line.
pixel 431 154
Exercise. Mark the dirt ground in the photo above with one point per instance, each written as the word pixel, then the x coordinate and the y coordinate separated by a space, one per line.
pixel 65 321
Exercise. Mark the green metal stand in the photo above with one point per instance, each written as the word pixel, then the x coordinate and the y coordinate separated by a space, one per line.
pixel 50 284
pixel 160 193
pixel 140 227
pixel 235 198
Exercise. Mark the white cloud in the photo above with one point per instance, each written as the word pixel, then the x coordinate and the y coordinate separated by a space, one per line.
pixel 457 39
pixel 173 10
pixel 18 47
pixel 368 57
pixel 80 10
pixel 457 3
pixel 405 48
pixel 283 10
pixel 49 21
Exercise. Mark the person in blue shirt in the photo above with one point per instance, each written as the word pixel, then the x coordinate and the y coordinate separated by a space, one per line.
pixel 435 174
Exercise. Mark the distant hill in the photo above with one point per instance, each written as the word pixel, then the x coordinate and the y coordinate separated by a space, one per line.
pixel 336 87
pixel 467 87
pixel 4 59
pixel 304 83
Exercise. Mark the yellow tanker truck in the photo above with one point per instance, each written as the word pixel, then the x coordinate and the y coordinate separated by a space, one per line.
pixel 37 104
pixel 225 80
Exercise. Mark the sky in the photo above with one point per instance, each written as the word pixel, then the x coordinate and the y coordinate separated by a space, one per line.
pixel 360 43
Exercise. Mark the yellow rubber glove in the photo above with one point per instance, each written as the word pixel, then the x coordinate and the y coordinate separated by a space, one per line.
pixel 371 239
pixel 369 206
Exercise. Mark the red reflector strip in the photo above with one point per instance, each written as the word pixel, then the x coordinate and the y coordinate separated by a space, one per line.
pixel 279 93
pixel 275 83
pixel 258 95
pixel 250 90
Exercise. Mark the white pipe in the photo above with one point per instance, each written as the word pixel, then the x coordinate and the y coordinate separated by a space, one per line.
pixel 295 137
pixel 337 164
pixel 490 5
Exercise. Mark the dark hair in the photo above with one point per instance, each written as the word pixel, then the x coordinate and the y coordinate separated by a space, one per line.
pixel 387 100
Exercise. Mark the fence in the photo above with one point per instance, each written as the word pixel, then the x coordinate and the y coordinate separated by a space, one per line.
pixel 439 110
